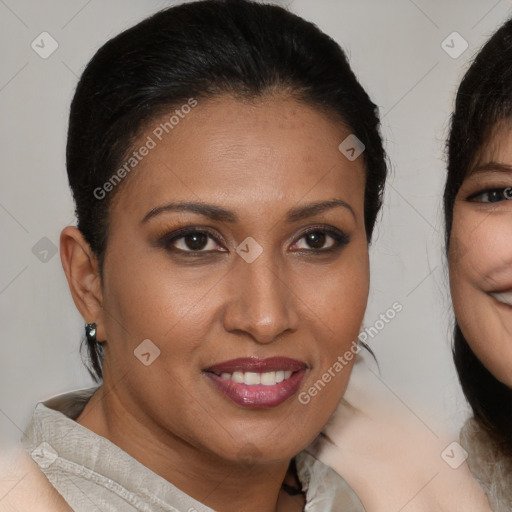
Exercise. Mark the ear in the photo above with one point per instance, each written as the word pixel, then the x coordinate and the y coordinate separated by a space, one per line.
pixel 81 268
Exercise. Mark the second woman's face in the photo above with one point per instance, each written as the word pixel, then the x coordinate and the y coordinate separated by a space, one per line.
pixel 236 278
pixel 481 255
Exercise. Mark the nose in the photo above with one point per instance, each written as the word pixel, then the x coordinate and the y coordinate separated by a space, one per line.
pixel 262 301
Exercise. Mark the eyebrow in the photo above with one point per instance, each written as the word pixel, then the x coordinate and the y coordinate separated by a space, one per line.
pixel 221 214
pixel 490 167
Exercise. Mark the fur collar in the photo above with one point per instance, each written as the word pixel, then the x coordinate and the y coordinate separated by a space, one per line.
pixel 490 467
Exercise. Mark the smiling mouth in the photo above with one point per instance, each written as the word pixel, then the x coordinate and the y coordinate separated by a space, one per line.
pixel 256 383
pixel 503 297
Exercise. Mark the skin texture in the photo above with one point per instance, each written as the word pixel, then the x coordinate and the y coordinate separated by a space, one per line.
pixel 481 255
pixel 259 160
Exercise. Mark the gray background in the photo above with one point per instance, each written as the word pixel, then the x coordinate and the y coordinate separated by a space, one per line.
pixel 394 46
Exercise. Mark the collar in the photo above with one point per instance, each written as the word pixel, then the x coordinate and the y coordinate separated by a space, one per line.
pixel 76 446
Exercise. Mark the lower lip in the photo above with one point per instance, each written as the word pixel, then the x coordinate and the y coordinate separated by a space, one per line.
pixel 258 396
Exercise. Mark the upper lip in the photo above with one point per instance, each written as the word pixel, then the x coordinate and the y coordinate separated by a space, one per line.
pixel 254 364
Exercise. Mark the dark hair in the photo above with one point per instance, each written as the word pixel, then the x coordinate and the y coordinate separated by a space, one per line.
pixel 484 99
pixel 200 50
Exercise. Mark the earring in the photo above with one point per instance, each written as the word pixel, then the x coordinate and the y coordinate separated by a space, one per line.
pixel 90 332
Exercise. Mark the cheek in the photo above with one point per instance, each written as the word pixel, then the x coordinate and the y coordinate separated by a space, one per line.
pixel 467 263
pixel 480 252
pixel 343 303
pixel 479 244
pixel 340 304
pixel 145 298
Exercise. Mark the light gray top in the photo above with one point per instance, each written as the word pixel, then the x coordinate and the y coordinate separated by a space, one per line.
pixel 93 474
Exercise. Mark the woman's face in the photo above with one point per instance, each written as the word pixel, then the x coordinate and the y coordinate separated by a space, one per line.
pixel 238 248
pixel 481 255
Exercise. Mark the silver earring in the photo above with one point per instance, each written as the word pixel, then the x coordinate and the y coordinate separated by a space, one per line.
pixel 90 332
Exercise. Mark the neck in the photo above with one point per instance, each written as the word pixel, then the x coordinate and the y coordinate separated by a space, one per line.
pixel 219 484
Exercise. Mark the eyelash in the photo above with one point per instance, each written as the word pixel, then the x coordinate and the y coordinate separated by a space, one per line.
pixel 340 240
pixel 506 195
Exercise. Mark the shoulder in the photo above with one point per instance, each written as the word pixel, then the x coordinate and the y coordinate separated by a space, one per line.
pixel 24 486
pixel 375 437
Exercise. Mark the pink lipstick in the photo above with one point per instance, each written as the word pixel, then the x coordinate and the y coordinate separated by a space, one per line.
pixel 258 383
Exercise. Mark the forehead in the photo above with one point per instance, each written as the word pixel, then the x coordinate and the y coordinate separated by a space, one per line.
pixel 272 149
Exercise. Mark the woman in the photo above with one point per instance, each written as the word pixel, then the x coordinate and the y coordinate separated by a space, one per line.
pixel 227 170
pixel 478 213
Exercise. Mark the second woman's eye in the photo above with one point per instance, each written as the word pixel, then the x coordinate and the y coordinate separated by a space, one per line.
pixel 321 240
pixel 492 195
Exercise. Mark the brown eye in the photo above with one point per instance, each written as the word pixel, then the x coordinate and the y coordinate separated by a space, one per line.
pixel 191 241
pixel 321 240
pixel 316 239
pixel 195 241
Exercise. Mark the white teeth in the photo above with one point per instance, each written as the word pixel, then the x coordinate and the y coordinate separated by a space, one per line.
pixel 505 297
pixel 268 378
pixel 238 377
pixel 253 378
